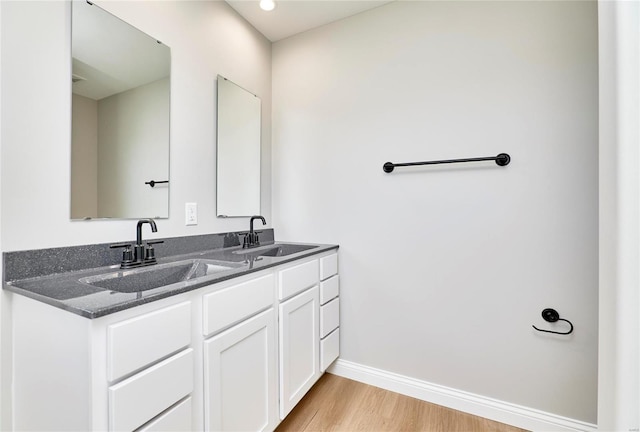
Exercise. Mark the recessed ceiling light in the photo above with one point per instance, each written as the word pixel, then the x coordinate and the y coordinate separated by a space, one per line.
pixel 267 5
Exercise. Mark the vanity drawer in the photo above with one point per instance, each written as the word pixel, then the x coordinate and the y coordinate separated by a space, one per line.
pixel 329 349
pixel 328 266
pixel 175 419
pixel 329 317
pixel 297 279
pixel 230 305
pixel 329 289
pixel 140 341
pixel 138 399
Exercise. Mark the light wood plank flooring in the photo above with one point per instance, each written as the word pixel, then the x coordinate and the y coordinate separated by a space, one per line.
pixel 340 404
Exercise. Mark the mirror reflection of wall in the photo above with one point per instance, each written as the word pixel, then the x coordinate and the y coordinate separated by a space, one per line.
pixel 238 151
pixel 120 118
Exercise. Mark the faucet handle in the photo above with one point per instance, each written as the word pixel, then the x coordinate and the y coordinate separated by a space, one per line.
pixel 127 253
pixel 150 252
pixel 250 240
pixel 120 245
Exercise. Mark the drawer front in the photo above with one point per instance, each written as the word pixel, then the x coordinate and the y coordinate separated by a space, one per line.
pixel 176 419
pixel 328 266
pixel 230 305
pixel 140 341
pixel 329 317
pixel 329 349
pixel 297 279
pixel 138 399
pixel 329 289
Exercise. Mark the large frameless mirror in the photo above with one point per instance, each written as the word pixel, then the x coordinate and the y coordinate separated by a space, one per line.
pixel 120 118
pixel 238 151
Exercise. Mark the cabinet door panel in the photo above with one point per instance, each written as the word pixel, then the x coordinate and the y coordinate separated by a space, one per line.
pixel 240 377
pixel 299 346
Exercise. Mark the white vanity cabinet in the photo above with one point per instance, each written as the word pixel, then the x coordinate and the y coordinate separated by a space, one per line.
pixel 134 344
pixel 234 355
pixel 240 363
pixel 308 332
pixel 250 369
pixel 128 370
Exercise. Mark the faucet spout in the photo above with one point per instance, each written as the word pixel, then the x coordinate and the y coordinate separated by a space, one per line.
pixel 141 222
pixel 251 239
pixel 264 222
pixel 139 255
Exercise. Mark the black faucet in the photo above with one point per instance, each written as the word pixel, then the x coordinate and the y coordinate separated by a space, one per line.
pixel 251 238
pixel 139 249
pixel 141 255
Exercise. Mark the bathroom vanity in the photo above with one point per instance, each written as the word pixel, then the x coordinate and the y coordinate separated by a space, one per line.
pixel 235 349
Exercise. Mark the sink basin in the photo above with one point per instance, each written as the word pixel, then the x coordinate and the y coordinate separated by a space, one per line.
pixel 148 278
pixel 275 250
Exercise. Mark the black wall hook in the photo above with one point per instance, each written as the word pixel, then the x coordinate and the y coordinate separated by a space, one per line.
pixel 551 315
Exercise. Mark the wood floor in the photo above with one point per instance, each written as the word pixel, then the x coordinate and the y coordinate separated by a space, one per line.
pixel 340 404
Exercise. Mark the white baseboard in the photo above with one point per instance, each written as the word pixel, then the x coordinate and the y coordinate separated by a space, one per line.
pixel 493 409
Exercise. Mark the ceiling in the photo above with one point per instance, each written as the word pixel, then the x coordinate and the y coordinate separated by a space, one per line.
pixel 296 16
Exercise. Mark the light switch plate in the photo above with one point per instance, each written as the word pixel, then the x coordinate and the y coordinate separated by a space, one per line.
pixel 191 214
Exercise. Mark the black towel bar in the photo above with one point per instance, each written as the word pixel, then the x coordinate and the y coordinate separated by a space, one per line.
pixel 502 159
pixel 152 183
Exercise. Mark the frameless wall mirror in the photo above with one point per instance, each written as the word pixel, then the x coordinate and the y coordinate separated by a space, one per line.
pixel 238 154
pixel 120 118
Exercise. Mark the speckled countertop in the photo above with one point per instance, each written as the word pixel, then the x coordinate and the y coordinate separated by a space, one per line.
pixel 73 291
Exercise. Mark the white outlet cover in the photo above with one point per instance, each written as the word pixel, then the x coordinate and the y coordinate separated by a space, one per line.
pixel 191 214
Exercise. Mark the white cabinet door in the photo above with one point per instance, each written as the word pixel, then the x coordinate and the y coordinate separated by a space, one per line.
pixel 299 344
pixel 241 377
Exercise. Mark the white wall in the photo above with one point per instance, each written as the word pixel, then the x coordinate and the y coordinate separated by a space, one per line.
pixel 206 38
pixel 445 269
pixel 133 148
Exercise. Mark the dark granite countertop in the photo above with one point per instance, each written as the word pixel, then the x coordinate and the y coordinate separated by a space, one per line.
pixel 73 291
